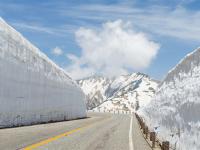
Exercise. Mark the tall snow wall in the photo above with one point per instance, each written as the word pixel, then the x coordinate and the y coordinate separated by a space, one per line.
pixel 32 88
pixel 175 109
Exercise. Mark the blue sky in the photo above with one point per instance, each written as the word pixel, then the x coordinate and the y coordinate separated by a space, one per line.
pixel 172 24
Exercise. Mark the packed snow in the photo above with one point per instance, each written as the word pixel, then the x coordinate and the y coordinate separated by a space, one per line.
pixel 119 93
pixel 175 109
pixel 33 89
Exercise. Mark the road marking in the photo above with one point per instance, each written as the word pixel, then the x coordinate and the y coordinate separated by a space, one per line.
pixel 131 134
pixel 44 142
pixel 53 138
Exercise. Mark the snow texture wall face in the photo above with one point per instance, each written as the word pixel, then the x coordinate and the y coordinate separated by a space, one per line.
pixel 32 88
pixel 176 106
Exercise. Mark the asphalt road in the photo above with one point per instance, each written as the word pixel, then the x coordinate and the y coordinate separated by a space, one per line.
pixel 100 131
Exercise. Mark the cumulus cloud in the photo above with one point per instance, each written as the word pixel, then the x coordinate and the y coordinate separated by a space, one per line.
pixel 57 51
pixel 112 50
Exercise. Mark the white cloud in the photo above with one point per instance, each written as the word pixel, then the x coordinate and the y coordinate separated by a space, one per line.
pixel 177 21
pixel 112 50
pixel 32 27
pixel 57 51
pixel 63 30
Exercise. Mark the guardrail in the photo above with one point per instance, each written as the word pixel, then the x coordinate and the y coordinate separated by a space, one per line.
pixel 112 111
pixel 151 136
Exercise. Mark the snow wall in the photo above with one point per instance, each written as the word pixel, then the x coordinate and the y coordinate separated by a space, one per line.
pixel 32 88
pixel 175 109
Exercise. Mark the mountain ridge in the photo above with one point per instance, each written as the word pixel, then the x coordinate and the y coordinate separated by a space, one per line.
pixel 102 92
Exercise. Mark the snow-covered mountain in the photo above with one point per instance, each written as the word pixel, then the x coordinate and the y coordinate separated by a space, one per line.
pixel 175 109
pixel 33 89
pixel 119 93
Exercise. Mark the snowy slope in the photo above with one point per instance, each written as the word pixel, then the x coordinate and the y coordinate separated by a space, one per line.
pixel 176 106
pixel 95 90
pixel 120 93
pixel 33 89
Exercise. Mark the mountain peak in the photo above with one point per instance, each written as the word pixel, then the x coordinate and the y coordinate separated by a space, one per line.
pixel 102 92
pixel 97 76
pixel 185 65
pixel 92 77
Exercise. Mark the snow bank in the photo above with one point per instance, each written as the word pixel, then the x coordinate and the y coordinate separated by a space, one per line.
pixel 175 109
pixel 33 89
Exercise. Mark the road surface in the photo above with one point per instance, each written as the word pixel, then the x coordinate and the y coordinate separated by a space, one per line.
pixel 100 131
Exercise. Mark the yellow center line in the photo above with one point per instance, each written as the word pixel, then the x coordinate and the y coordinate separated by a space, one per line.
pixel 53 139
pixel 44 142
